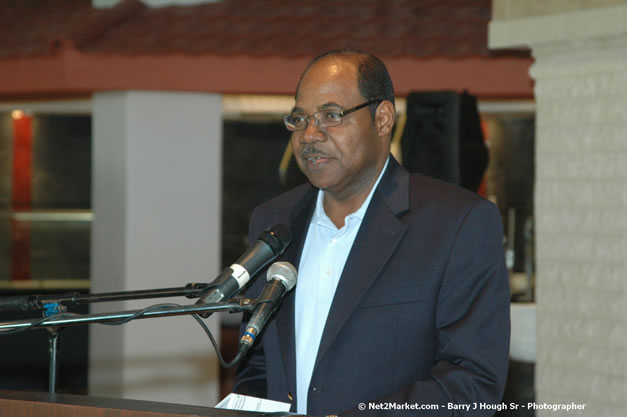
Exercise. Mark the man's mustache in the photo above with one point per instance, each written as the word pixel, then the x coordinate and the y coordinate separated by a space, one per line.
pixel 310 151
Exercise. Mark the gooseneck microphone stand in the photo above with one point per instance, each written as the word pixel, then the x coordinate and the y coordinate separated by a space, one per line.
pixel 55 314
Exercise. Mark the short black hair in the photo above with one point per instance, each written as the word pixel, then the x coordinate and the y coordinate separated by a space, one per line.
pixel 373 79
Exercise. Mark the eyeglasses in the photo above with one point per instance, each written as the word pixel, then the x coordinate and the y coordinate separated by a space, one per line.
pixel 323 118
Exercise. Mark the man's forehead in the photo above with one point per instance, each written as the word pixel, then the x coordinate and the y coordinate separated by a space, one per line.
pixel 331 82
pixel 329 70
pixel 334 64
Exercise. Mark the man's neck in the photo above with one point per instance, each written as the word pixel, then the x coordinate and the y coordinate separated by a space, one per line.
pixel 337 207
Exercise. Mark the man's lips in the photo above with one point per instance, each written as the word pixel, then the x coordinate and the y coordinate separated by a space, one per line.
pixel 316 159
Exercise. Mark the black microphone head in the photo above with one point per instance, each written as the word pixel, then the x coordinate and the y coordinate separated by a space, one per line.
pixel 283 271
pixel 278 237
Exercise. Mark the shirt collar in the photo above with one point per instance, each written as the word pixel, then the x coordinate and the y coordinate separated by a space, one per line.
pixel 320 217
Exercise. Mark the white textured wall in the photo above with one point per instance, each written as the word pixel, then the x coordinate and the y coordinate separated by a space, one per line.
pixel 581 218
pixel 580 74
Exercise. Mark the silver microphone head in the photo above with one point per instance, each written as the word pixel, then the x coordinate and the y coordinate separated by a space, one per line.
pixel 283 271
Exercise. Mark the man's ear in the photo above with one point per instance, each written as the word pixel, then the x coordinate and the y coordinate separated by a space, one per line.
pixel 384 118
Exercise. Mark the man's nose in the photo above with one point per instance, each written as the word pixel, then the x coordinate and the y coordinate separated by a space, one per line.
pixel 312 132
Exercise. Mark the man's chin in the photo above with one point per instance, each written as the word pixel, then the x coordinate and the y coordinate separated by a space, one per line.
pixel 318 181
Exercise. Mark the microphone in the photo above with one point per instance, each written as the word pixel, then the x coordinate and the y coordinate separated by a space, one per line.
pixel 270 244
pixel 281 278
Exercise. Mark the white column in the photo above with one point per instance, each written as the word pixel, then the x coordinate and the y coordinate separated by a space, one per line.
pixel 581 218
pixel 156 201
pixel 580 74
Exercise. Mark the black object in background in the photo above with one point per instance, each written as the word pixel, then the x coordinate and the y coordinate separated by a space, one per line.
pixel 252 152
pixel 61 162
pixel 443 138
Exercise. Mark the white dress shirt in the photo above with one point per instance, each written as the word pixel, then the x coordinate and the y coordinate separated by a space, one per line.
pixel 322 261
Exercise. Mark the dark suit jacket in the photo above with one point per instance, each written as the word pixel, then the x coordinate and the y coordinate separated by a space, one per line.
pixel 420 314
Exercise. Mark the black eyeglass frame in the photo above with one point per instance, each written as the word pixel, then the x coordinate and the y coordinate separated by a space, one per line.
pixel 342 114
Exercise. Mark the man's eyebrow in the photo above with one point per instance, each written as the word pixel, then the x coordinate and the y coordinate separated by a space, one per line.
pixel 329 105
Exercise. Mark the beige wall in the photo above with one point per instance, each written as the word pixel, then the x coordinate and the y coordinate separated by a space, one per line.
pixel 580 75
pixel 156 201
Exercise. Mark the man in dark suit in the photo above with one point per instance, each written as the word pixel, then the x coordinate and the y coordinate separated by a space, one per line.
pixel 402 299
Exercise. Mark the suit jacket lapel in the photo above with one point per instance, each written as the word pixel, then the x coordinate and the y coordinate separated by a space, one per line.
pixel 299 225
pixel 379 234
